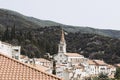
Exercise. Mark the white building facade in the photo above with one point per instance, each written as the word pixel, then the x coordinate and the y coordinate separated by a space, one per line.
pixel 70 66
pixel 10 50
pixel 63 57
pixel 68 63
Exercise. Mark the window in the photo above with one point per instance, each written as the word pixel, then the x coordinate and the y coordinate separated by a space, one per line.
pixel 60 60
pixel 61 48
pixel 16 50
pixel 26 61
pixel 12 56
pixel 60 55
pixel 16 57
pixel 65 61
pixel 102 68
pixel 30 61
pixel 76 59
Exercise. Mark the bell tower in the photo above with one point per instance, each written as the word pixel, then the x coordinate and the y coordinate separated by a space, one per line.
pixel 62 44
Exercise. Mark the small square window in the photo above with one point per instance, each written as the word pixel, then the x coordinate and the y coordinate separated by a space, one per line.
pixel 60 55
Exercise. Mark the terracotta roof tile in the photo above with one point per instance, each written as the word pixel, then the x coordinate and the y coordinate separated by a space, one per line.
pixel 40 67
pixel 73 55
pixel 22 56
pixel 91 62
pixel 11 69
pixel 100 62
pixel 111 66
pixel 42 60
pixel 117 65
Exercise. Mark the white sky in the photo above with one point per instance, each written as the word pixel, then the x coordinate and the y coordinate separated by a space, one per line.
pixel 103 14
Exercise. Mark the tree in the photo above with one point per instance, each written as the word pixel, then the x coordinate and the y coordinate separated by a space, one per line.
pixel 54 67
pixel 103 77
pixel 117 74
pixel 13 32
pixel 95 78
pixel 6 35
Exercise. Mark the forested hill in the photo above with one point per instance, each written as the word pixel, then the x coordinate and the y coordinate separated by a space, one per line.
pixel 10 18
pixel 37 40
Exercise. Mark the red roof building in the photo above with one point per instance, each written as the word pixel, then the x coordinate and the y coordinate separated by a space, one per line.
pixel 11 69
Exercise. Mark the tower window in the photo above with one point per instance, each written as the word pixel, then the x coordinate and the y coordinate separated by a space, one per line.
pixel 61 49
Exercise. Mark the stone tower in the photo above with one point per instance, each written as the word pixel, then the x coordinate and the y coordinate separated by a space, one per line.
pixel 62 44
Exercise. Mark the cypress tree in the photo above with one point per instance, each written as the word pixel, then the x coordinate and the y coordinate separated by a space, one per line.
pixel 13 32
pixel 54 67
pixel 6 35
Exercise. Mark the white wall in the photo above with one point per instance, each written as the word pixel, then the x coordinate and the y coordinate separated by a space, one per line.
pixel 102 69
pixel 5 49
pixel 16 50
pixel 60 58
pixel 92 69
pixel 9 50
pixel 75 60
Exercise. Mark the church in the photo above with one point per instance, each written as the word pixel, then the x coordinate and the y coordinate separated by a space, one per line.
pixel 63 57
pixel 75 66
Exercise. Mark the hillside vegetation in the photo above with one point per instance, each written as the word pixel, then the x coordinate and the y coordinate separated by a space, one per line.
pixel 9 18
pixel 38 37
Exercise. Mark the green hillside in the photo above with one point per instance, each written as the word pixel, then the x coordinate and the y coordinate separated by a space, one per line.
pixel 9 18
pixel 38 37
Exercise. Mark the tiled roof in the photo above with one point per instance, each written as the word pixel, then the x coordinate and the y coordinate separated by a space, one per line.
pixel 73 55
pixel 60 65
pixel 91 62
pixel 111 66
pixel 100 62
pixel 22 56
pixel 11 69
pixel 117 65
pixel 40 67
pixel 42 60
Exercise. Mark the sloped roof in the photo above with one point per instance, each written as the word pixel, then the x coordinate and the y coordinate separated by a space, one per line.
pixel 91 62
pixel 73 55
pixel 11 69
pixel 111 66
pixel 22 56
pixel 62 37
pixel 42 68
pixel 42 60
pixel 117 65
pixel 100 62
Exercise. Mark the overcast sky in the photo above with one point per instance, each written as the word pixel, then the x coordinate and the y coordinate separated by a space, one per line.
pixel 103 14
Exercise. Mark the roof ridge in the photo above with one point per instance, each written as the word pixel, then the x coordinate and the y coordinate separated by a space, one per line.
pixel 32 67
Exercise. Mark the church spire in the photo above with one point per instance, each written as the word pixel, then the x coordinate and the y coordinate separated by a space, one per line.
pixel 62 37
pixel 62 45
